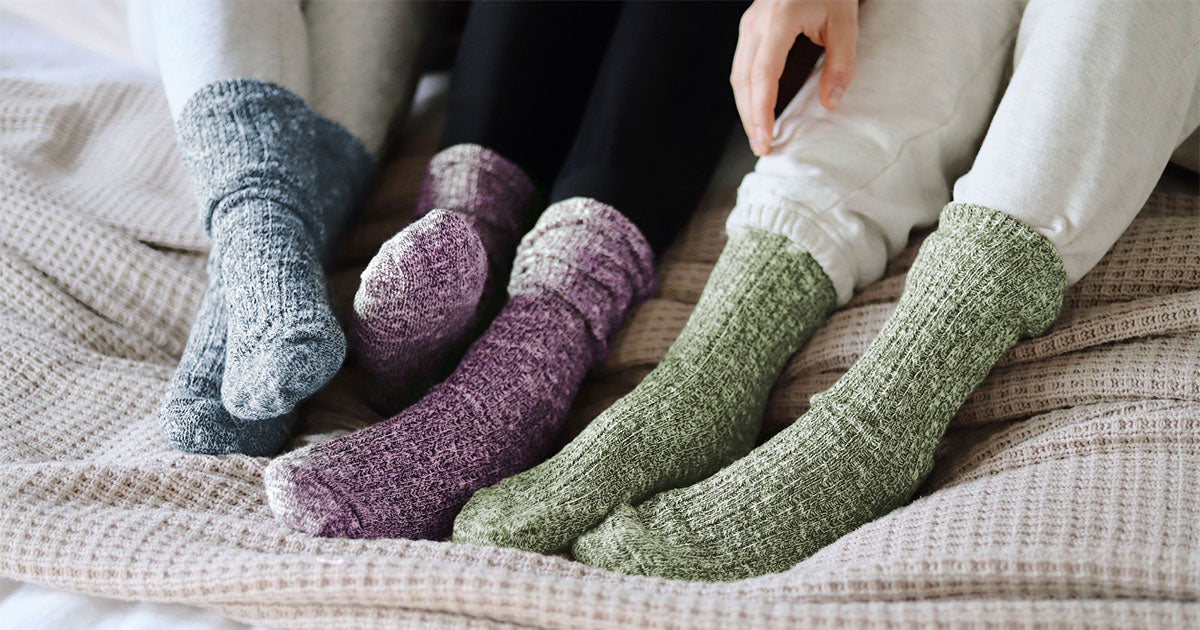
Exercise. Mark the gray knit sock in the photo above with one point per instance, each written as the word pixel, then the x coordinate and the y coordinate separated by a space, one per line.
pixel 276 181
pixel 192 417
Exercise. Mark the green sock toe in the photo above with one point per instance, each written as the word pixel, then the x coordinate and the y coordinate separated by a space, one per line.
pixel 979 284
pixel 700 409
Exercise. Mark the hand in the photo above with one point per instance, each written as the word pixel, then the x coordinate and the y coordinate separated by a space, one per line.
pixel 766 33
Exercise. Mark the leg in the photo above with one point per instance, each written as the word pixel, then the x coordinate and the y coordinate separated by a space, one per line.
pixel 1079 140
pixel 659 114
pixel 988 277
pixel 522 77
pixel 980 283
pixel 363 57
pixel 275 180
pixel 195 44
pixel 714 381
pixel 577 275
pixel 848 186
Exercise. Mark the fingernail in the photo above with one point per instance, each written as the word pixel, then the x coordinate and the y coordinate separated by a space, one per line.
pixel 835 96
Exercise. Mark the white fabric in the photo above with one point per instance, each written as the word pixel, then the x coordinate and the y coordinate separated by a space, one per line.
pixel 31 50
pixel 197 42
pixel 24 606
pixel 1100 95
pixel 100 26
pixel 352 61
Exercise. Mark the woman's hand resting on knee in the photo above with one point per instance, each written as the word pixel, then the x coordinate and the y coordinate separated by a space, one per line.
pixel 767 31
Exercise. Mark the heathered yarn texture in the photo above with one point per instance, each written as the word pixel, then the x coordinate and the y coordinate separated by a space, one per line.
pixel 275 181
pixel 416 306
pixel 191 415
pixel 698 410
pixel 493 195
pixel 980 283
pixel 1066 492
pixel 434 285
pixel 577 275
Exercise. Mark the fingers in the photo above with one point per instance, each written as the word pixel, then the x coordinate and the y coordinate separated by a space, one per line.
pixel 841 41
pixel 766 34
pixel 765 72
pixel 739 77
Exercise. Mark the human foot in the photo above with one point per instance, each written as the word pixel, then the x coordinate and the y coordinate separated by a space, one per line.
pixel 698 410
pixel 980 283
pixel 576 276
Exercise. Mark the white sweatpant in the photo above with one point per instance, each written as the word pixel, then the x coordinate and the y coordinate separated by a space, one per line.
pixel 351 61
pixel 1101 92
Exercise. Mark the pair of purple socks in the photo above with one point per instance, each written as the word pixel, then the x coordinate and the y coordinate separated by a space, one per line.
pixel 429 290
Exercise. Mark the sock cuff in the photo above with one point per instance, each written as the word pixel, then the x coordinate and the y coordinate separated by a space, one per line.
pixel 748 249
pixel 591 256
pixel 780 276
pixel 1006 267
pixel 257 138
pixel 479 158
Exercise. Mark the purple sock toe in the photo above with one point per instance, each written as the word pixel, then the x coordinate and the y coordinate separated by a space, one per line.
pixel 301 498
pixel 432 287
pixel 416 306
pixel 576 276
pixel 493 195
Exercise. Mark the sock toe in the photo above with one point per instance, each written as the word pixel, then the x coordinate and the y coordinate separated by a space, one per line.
pixel 417 306
pixel 201 425
pixel 280 370
pixel 489 520
pixel 302 499
pixel 441 242
pixel 623 543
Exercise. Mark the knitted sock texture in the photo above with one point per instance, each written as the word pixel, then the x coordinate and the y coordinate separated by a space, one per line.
pixel 576 276
pixel 491 194
pixel 191 415
pixel 431 287
pixel 275 181
pixel 982 281
pixel 698 410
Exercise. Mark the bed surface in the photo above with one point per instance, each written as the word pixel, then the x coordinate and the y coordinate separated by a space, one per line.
pixel 1066 490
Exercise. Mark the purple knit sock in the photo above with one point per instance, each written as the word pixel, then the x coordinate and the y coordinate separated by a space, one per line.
pixel 430 287
pixel 576 276
pixel 416 303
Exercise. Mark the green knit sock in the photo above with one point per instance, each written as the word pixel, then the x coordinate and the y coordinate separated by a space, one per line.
pixel 697 411
pixel 980 283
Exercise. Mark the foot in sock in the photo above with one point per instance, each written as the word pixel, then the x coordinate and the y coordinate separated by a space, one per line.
pixel 980 283
pixel 275 180
pixel 699 409
pixel 192 417
pixel 416 305
pixel 576 276
pixel 430 288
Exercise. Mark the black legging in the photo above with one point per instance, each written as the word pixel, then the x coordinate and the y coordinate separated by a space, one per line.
pixel 627 103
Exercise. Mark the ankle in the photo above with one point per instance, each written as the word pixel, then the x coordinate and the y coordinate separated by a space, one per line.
pixel 592 258
pixel 993 265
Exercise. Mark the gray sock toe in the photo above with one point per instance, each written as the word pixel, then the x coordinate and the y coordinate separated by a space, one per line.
pixel 192 417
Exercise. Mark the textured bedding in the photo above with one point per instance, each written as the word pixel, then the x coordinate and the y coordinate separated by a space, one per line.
pixel 1067 490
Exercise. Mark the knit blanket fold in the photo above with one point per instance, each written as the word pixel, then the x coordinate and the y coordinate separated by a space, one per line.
pixel 1067 490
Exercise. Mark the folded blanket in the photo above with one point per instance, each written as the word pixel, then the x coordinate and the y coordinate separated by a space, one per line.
pixel 1066 491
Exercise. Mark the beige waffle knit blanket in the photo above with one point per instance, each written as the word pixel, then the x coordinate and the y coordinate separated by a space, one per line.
pixel 1067 490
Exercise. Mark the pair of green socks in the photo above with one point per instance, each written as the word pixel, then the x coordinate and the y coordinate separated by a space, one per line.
pixel 665 483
